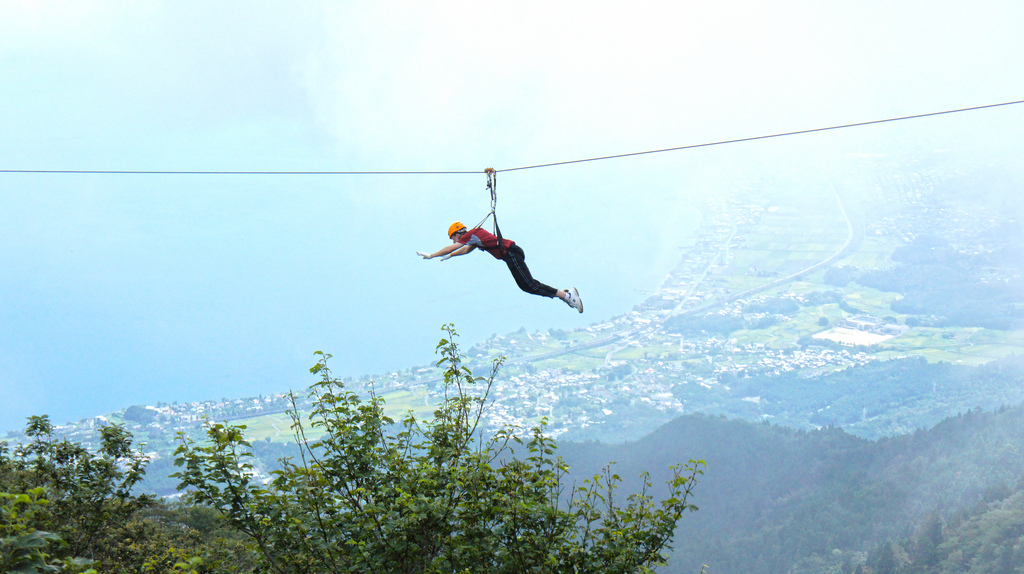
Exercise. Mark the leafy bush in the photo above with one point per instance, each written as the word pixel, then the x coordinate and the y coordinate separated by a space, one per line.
pixel 370 495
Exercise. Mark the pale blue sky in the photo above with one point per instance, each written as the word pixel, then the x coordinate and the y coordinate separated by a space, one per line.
pixel 117 290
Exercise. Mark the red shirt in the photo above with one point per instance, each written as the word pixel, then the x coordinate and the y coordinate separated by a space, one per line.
pixel 487 241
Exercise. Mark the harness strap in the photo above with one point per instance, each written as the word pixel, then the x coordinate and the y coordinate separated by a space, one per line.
pixel 484 220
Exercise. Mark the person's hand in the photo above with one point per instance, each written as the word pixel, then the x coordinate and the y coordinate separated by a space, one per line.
pixel 423 255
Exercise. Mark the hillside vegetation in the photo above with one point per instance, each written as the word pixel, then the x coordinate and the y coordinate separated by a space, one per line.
pixel 774 499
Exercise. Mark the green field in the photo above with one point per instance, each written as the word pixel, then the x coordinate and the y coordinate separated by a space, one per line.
pixel 967 346
pixel 872 253
pixel 277 427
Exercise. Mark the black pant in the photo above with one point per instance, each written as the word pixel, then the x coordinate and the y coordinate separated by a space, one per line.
pixel 516 261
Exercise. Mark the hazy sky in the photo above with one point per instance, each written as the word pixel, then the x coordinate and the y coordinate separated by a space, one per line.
pixel 116 290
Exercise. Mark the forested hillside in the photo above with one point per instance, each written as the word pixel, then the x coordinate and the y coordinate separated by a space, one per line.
pixel 984 538
pixel 775 500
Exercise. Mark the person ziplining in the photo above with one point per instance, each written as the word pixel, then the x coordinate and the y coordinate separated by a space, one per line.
pixel 465 240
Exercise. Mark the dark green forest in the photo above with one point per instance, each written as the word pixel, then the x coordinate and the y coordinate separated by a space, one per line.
pixel 945 287
pixel 775 500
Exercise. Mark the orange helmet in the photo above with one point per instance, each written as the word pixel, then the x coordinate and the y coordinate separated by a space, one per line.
pixel 454 228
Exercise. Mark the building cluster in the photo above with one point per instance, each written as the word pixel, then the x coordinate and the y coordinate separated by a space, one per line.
pixel 173 417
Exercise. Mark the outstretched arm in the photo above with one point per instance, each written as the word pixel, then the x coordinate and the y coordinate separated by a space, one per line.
pixel 453 250
pixel 461 251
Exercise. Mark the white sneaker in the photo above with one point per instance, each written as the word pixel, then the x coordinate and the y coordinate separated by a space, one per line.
pixel 572 298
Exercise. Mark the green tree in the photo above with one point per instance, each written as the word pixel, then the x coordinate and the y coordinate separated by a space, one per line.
pixel 369 495
pixel 90 494
pixel 139 414
pixel 885 560
pixel 23 548
pixel 63 507
pixel 926 551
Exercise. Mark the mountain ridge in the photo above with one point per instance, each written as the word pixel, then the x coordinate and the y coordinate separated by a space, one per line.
pixel 772 497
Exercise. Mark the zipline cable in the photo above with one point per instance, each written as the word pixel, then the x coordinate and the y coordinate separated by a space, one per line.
pixel 779 135
pixel 477 172
pixel 144 172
